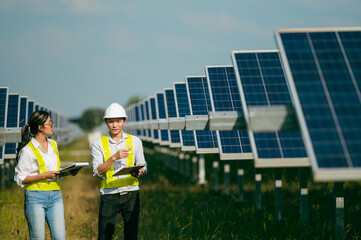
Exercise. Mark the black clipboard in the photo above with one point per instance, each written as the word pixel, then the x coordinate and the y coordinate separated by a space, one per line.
pixel 77 165
pixel 128 170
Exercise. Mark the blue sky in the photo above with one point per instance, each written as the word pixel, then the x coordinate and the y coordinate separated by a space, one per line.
pixel 72 55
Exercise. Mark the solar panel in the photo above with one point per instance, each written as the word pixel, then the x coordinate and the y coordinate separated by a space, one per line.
pixel 3 105
pixel 12 120
pixel 142 118
pixel 183 109
pixel 137 119
pixel 147 117
pixel 262 82
pixel 172 113
pixel 154 117
pixel 162 116
pixel 323 67
pixel 23 111
pixel 199 100
pixel 225 96
pixel 31 108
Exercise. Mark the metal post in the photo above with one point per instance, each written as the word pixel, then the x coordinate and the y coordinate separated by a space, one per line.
pixel 339 211
pixel 2 177
pixel 202 170
pixel 180 163
pixel 186 165
pixel 303 172
pixel 278 194
pixel 227 180
pixel 215 171
pixel 194 168
pixel 240 174
pixel 257 190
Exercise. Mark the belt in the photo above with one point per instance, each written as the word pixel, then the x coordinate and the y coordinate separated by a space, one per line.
pixel 123 193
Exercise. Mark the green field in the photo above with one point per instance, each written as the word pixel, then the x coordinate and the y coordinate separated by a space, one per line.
pixel 174 207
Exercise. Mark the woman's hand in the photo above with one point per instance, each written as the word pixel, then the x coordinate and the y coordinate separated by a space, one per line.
pixel 138 173
pixel 50 174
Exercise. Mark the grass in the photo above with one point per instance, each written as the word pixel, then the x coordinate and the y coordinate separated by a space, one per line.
pixel 174 207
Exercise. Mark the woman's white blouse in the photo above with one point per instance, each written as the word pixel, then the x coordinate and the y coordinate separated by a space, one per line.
pixel 28 164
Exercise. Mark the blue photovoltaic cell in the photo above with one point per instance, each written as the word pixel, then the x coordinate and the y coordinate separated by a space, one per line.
pixel 263 83
pixel 183 109
pixel 172 113
pixel 30 108
pixel 3 105
pixel 1 152
pixel 23 111
pixel 154 117
pixel 164 136
pixel 13 111
pixel 200 105
pixel 225 96
pixel 323 68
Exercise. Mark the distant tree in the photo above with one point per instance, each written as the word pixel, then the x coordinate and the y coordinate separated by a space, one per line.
pixel 90 119
pixel 133 99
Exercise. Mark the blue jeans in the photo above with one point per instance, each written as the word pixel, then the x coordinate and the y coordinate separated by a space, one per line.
pixel 44 205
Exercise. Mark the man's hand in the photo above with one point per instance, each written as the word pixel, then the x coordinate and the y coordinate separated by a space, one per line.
pixel 138 173
pixel 122 153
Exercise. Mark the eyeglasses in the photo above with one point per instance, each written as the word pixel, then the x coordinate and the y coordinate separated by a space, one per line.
pixel 50 123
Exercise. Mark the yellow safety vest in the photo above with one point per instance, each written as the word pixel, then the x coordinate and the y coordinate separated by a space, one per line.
pixel 111 182
pixel 44 185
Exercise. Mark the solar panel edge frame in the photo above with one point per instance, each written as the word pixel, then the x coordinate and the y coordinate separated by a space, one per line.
pixel 3 128
pixel 319 174
pixel 263 162
pixel 325 29
pixel 224 156
pixel 198 150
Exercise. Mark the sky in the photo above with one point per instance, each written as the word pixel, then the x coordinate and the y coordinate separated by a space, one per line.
pixel 73 55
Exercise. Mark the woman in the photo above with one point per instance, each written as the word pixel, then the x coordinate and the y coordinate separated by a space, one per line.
pixel 37 169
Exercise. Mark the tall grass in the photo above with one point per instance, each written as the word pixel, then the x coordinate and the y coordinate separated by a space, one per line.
pixel 173 207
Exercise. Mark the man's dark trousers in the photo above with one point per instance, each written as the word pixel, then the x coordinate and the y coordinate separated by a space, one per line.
pixel 111 205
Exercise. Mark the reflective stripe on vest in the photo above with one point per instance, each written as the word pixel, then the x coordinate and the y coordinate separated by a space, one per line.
pixel 111 182
pixel 44 185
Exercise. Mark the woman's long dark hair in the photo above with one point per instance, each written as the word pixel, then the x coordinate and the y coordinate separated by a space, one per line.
pixel 37 118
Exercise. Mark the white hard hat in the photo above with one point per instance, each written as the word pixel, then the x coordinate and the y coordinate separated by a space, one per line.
pixel 115 111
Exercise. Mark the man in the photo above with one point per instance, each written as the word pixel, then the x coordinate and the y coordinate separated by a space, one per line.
pixel 119 194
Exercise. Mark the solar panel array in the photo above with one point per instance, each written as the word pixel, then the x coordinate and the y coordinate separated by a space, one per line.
pixel 316 72
pixel 15 111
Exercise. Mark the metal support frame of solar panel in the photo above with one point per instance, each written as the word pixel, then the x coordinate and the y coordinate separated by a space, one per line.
pixel 183 109
pixel 323 70
pixel 262 82
pixel 162 119
pixel 171 111
pixel 197 88
pixel 225 96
